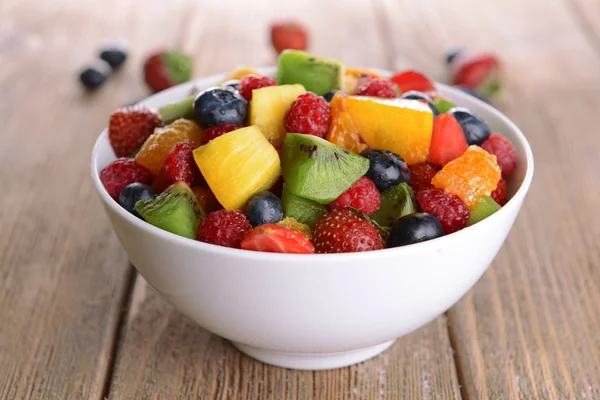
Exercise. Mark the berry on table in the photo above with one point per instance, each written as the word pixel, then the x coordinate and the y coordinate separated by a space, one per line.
pixel 251 82
pixel 218 106
pixel 412 80
pixel 376 87
pixel 274 238
pixel 499 194
pixel 503 149
pixel 121 173
pixel 414 228
pixel 452 53
pixel 309 114
pixel 447 140
pixel 386 169
pixel 421 176
pixel 263 208
pixel 288 35
pixel 179 166
pixel 133 193
pixel 447 208
pixel 214 132
pixel 224 228
pixel 475 129
pixel 129 127
pixel 362 196
pixel 94 76
pixel 343 231
pixel 114 54
pixel 165 69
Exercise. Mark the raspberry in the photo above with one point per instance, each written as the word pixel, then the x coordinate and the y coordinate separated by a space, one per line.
pixel 376 87
pixel 448 208
pixel 503 149
pixel 214 132
pixel 129 127
pixel 121 173
pixel 421 175
pixel 499 194
pixel 309 114
pixel 179 166
pixel 224 228
pixel 342 231
pixel 251 82
pixel 362 195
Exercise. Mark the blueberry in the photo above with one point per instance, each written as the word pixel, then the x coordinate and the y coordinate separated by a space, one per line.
pixel 452 54
pixel 114 54
pixel 386 169
pixel 233 85
pixel 329 95
pixel 217 106
pixel 133 193
pixel 475 129
pixel 94 76
pixel 264 208
pixel 414 228
pixel 416 95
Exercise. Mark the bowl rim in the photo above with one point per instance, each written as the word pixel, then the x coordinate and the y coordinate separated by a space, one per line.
pixel 211 80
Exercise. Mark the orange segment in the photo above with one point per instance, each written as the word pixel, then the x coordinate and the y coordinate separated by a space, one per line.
pixel 342 130
pixel 352 75
pixel 155 150
pixel 398 125
pixel 471 176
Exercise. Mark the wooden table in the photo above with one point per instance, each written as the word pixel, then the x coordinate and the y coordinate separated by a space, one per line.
pixel 78 323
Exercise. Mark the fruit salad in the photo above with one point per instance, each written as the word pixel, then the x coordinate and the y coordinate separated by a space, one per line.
pixel 315 159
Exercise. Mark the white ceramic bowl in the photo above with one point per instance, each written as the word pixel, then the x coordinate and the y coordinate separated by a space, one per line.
pixel 315 311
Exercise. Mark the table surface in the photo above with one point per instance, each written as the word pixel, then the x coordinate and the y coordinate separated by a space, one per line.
pixel 79 323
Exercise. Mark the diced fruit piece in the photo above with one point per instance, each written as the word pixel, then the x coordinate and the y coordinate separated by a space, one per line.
pixel 175 210
pixel 263 208
pixel 362 196
pixel 121 173
pixel 288 35
pixel 206 198
pixel 472 175
pixel 268 108
pixel 329 95
pixel 94 76
pixel 353 75
pixel 475 129
pixel 423 98
pixel 241 72
pixel 214 132
pixel 224 228
pixel 485 207
pixel 446 207
pixel 303 210
pixel 478 71
pixel 133 193
pixel 318 170
pixel 156 148
pixel 179 166
pixel 309 114
pixel 414 228
pixel 316 74
pixel 343 231
pixel 179 109
pixel 443 105
pixel 412 80
pixel 386 169
pixel 238 165
pixel 401 126
pixel 376 87
pixel 291 223
pixel 421 176
pixel 273 238
pixel 129 127
pixel 165 69
pixel 505 153
pixel 342 130
pixel 396 202
pixel 447 141
pixel 499 194
pixel 253 82
pixel 217 106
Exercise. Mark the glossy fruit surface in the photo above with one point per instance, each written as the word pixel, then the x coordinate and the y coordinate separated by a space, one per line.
pixel 412 80
pixel 179 166
pixel 263 208
pixel 386 169
pixel 343 231
pixel 447 141
pixel 273 238
pixel 505 153
pixel 217 106
pixel 309 114
pixel 121 173
pixel 446 207
pixel 485 207
pixel 224 228
pixel 253 82
pixel 414 228
pixel 362 196
pixel 129 127
pixel 396 202
pixel 133 193
pixel 342 130
pixel 95 75
pixel 476 130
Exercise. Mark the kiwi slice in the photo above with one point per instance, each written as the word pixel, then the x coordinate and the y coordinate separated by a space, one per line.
pixel 443 105
pixel 175 210
pixel 484 207
pixel 316 169
pixel 396 202
pixel 180 109
pixel 316 74
pixel 302 210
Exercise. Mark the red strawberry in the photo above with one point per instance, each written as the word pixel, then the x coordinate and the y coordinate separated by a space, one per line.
pixel 499 194
pixel 274 238
pixel 421 175
pixel 214 132
pixel 343 231
pixel 412 80
pixel 179 166
pixel 288 35
pixel 376 87
pixel 129 127
pixel 362 195
pixel 447 140
pixel 165 69
pixel 505 153
pixel 121 173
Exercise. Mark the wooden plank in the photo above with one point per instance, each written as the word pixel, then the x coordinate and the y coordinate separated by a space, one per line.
pixel 164 355
pixel 530 327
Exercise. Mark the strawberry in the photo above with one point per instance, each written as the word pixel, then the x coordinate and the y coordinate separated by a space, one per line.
pixel 179 166
pixel 288 35
pixel 274 238
pixel 164 69
pixel 129 127
pixel 412 80
pixel 499 194
pixel 343 231
pixel 478 72
pixel 121 173
pixel 447 140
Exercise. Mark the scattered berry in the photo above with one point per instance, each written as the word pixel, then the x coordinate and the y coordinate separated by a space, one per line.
pixel 218 106
pixel 251 82
pixel 414 228
pixel 121 173
pixel 447 208
pixel 291 223
pixel 447 140
pixel 309 114
pixel 503 149
pixel 274 238
pixel 386 169
pixel 288 35
pixel 129 127
pixel 263 208
pixel 179 166
pixel 475 129
pixel 214 132
pixel 165 69
pixel 422 97
pixel 342 231
pixel 499 194
pixel 94 76
pixel 133 193
pixel 224 228
pixel 421 175
pixel 362 195
pixel 376 87
pixel 412 80
pixel 114 54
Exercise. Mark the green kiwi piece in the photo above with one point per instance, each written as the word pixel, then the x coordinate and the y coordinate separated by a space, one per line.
pixel 316 74
pixel 175 210
pixel 484 207
pixel 180 109
pixel 443 105
pixel 396 202
pixel 316 169
pixel 302 210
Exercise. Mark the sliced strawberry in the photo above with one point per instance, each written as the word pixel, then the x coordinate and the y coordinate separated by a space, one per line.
pixel 274 238
pixel 288 35
pixel 412 80
pixel 447 140
pixel 129 127
pixel 179 166
pixel 470 69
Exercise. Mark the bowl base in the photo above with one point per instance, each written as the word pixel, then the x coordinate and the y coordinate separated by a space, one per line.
pixel 313 361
